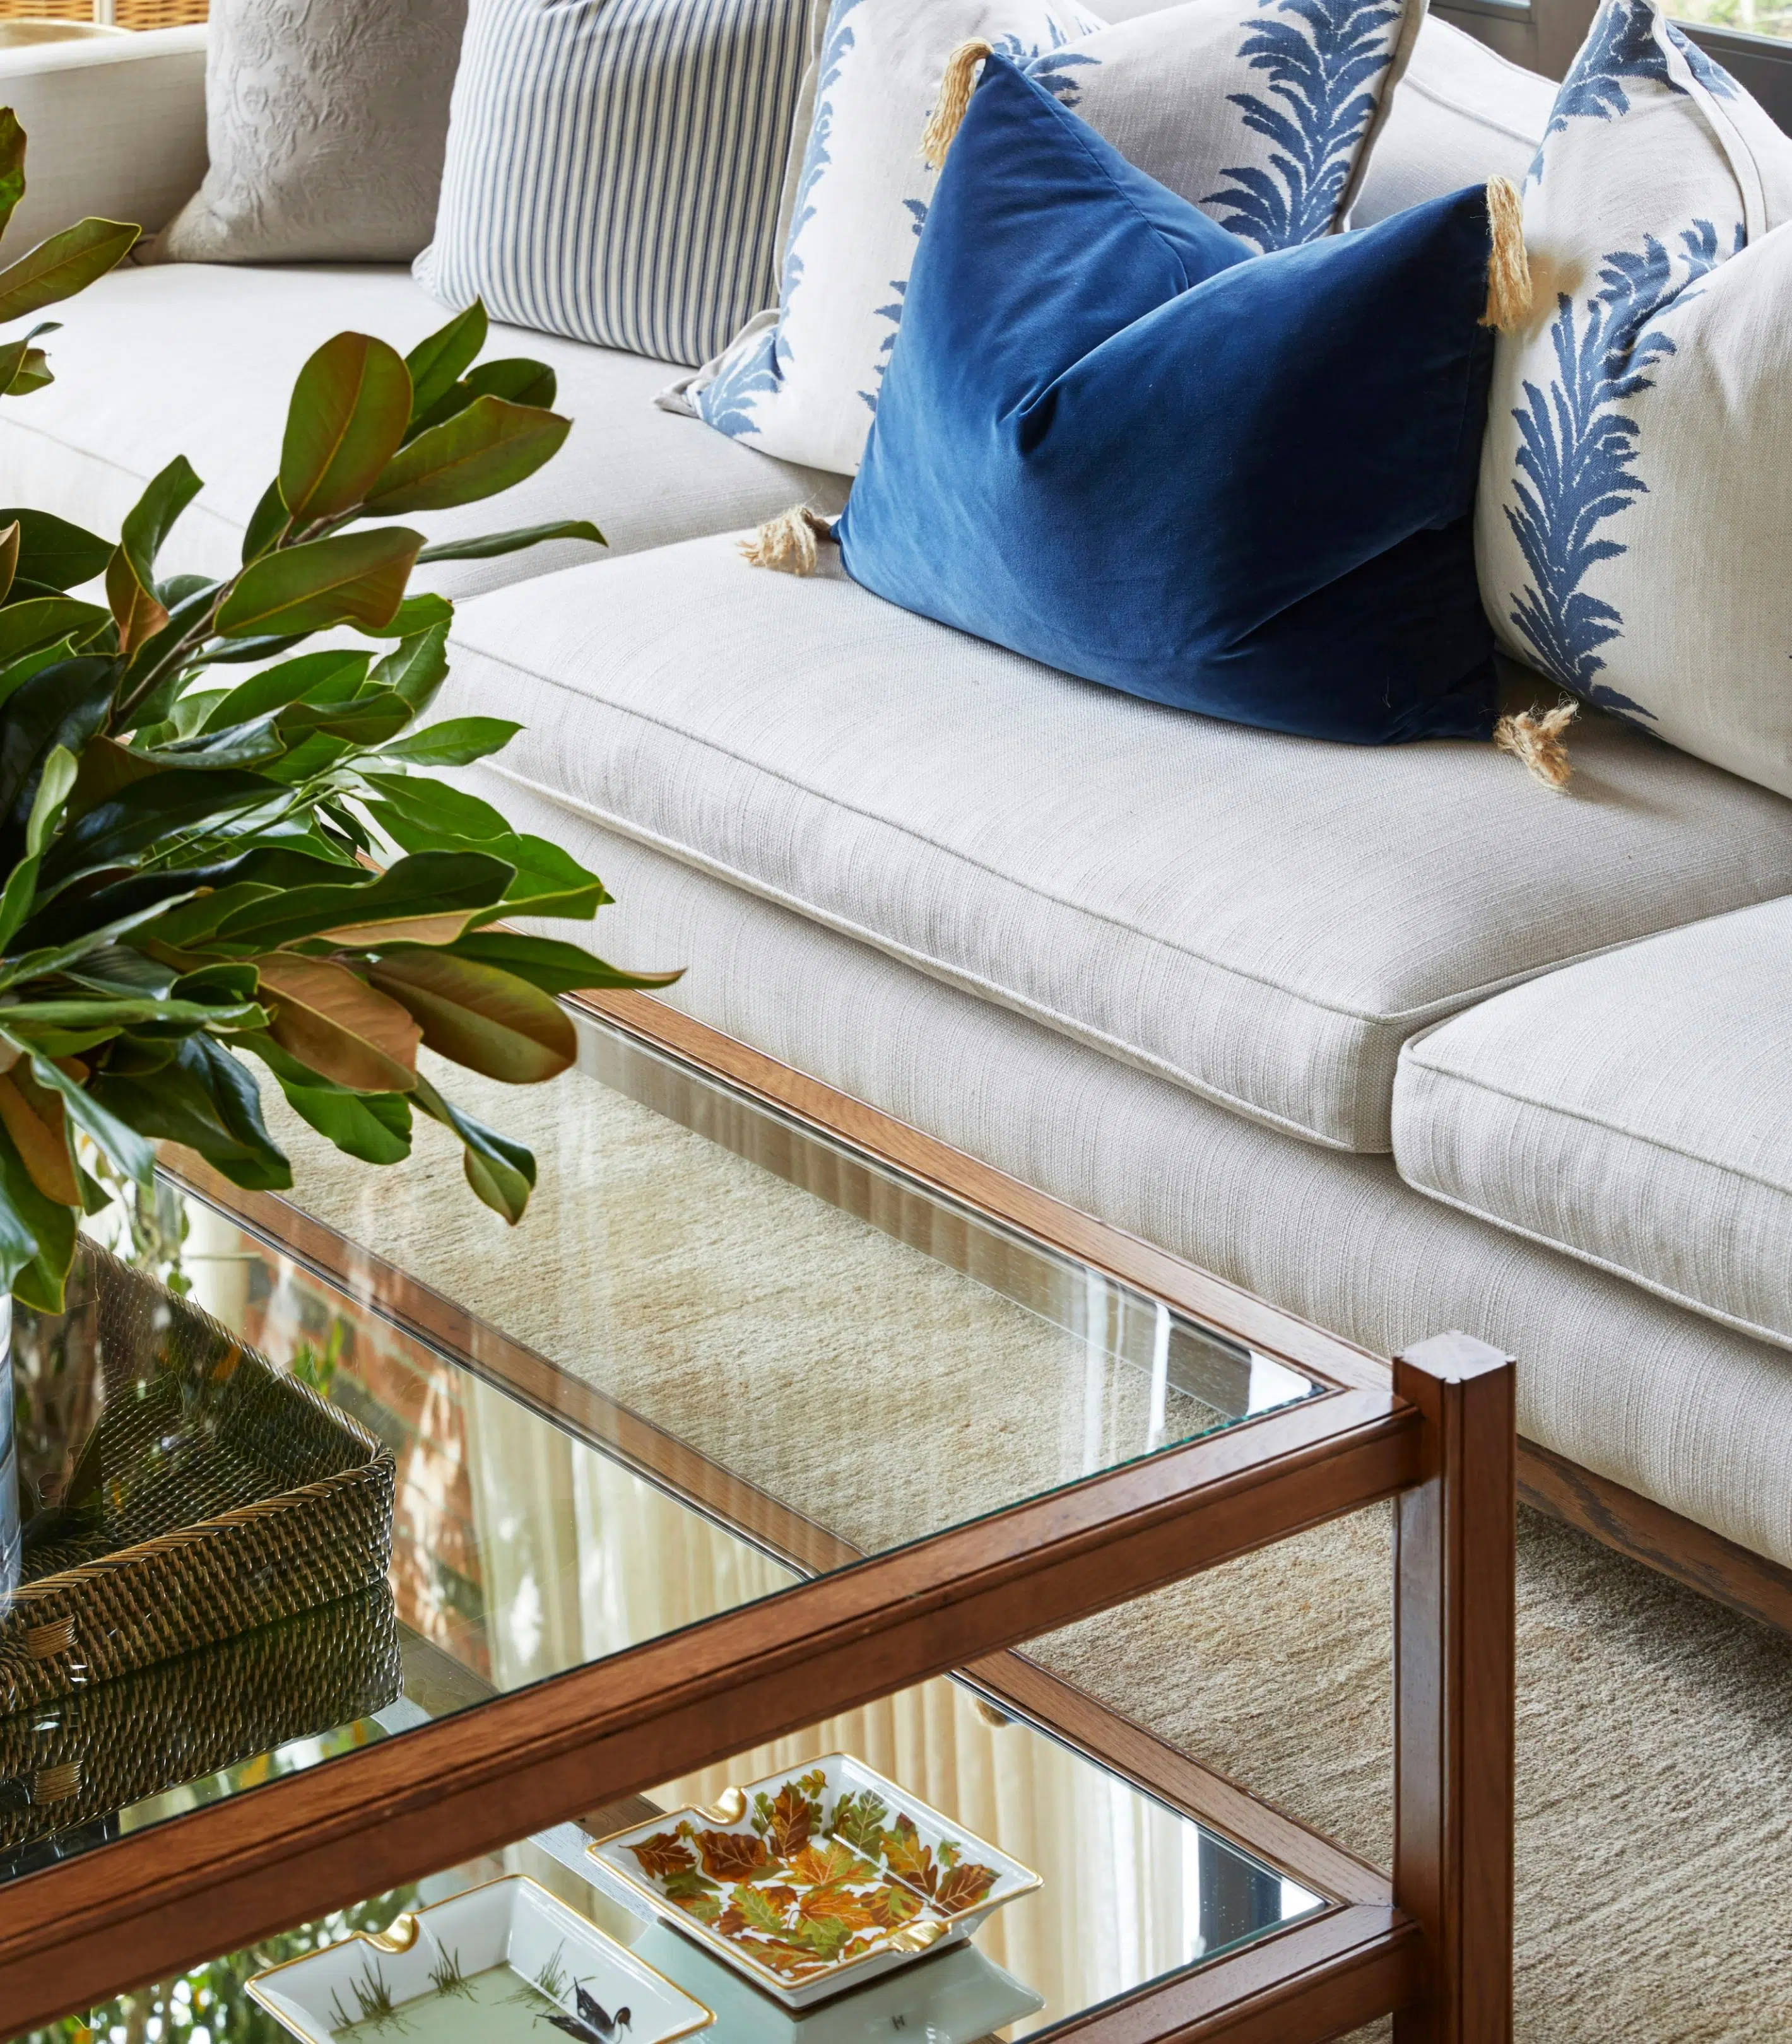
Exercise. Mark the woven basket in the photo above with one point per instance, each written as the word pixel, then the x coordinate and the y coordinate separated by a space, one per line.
pixel 127 14
pixel 72 1763
pixel 229 1494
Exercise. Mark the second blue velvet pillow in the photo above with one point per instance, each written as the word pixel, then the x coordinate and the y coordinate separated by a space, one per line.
pixel 1113 438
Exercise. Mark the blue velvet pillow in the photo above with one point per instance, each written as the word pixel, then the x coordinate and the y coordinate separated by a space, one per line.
pixel 1114 438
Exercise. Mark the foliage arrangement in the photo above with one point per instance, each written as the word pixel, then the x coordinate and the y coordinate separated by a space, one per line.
pixel 803 1889
pixel 204 867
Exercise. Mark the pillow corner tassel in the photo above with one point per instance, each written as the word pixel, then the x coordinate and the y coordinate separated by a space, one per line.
pixel 1536 741
pixel 957 82
pixel 1510 297
pixel 787 543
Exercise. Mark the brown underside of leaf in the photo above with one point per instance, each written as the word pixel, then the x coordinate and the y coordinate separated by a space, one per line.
pixel 138 615
pixel 334 1022
pixel 34 1118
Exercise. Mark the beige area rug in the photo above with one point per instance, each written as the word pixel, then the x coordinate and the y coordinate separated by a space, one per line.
pixel 1655 1840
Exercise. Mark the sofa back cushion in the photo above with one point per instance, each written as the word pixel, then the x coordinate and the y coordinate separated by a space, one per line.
pixel 325 121
pixel 613 168
pixel 1636 494
pixel 1462 115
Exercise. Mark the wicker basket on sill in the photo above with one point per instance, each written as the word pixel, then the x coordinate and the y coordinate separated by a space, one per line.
pixel 127 13
pixel 229 1494
pixel 70 1763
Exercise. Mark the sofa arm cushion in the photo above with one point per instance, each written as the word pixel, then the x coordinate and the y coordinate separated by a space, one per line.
pixel 115 126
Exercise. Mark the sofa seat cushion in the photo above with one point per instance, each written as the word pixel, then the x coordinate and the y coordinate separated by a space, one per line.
pixel 199 359
pixel 1634 1111
pixel 1261 919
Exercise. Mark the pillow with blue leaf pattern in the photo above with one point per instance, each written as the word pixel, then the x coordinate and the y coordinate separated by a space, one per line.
pixel 1636 481
pixel 1263 114
pixel 1261 111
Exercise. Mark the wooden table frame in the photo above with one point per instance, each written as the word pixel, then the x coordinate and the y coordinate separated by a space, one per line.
pixel 1435 1433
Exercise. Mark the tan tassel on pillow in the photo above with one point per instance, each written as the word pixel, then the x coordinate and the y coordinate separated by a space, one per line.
pixel 1508 268
pixel 1537 741
pixel 956 85
pixel 787 542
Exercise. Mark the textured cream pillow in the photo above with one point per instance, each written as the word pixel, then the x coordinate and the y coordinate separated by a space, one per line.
pixel 326 121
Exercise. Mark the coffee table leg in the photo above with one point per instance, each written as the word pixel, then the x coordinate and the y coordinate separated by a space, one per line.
pixel 1454 1560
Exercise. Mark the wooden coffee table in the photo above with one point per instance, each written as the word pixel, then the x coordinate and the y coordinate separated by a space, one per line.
pixel 774 1408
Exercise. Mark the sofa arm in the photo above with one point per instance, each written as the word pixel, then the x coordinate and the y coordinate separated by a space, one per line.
pixel 114 125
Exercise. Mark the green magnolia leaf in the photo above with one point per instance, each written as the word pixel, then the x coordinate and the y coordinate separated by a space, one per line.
pixel 481 450
pixel 429 816
pixel 418 667
pixel 516 379
pixel 12 165
pixel 456 742
pixel 31 373
pixel 240 652
pixel 328 677
pixel 154 673
pixel 437 362
pixel 267 524
pixel 130 574
pixel 17 900
pixel 66 263
pixel 353 578
pixel 82 928
pixel 546 963
pixel 415 614
pixel 8 551
pixel 424 816
pixel 24 627
pixel 434 884
pixel 203 1097
pixel 188 923
pixel 54 552
pixel 512 378
pixel 480 1015
pixel 60 708
pixel 501 1173
pixel 16 673
pixel 37 1235
pixel 115 968
pixel 152 518
pixel 54 781
pixel 30 1020
pixel 118 830
pixel 250 744
pixel 370 719
pixel 490 545
pixel 373 1127
pixel 126 1150
pixel 349 410
pixel 549 881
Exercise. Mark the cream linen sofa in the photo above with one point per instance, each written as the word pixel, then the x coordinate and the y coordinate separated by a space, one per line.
pixel 1394 1038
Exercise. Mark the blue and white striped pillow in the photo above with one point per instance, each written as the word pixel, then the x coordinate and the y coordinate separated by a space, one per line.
pixel 614 166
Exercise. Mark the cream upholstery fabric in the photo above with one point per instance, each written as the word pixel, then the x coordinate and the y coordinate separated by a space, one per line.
pixel 1461 113
pixel 199 359
pixel 1263 920
pixel 1660 1400
pixel 1636 1111
pixel 115 126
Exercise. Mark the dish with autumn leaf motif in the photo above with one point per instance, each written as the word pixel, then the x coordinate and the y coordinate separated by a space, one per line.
pixel 816 1879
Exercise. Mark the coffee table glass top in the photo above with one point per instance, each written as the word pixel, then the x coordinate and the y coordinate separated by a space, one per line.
pixel 1130 1891
pixel 721 1354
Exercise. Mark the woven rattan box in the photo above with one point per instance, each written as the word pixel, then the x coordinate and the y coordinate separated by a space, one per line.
pixel 203 1494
